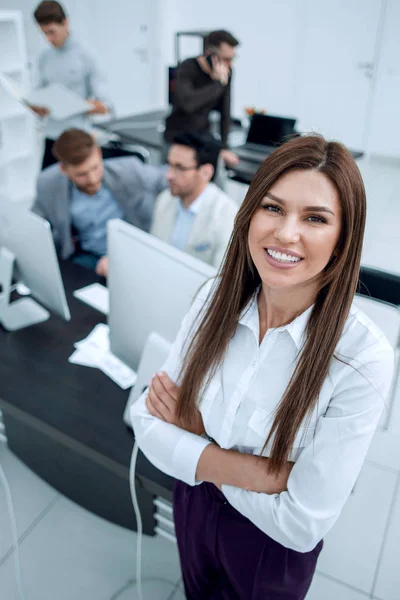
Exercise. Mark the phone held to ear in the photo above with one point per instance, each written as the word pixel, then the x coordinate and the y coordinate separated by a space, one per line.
pixel 210 58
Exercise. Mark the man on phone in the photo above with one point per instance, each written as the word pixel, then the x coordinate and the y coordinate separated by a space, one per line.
pixel 70 63
pixel 203 84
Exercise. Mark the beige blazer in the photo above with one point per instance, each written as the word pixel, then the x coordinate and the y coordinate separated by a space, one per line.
pixel 212 226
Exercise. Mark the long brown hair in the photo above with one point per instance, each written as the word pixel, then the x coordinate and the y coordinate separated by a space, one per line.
pixel 239 279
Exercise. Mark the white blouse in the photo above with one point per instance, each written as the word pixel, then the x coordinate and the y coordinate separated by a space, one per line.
pixel 238 410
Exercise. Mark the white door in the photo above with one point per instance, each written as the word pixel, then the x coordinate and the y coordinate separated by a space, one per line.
pixel 384 134
pixel 335 65
pixel 124 35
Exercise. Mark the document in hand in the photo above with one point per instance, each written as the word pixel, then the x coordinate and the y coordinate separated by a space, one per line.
pixel 61 102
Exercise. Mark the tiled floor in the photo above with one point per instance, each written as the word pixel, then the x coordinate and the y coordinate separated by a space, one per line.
pixel 70 554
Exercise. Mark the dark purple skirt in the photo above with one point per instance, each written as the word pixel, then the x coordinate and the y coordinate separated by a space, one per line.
pixel 225 557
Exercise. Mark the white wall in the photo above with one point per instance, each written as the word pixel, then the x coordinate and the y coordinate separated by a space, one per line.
pixel 384 134
pixel 113 31
pixel 267 53
pixel 270 57
pixel 270 73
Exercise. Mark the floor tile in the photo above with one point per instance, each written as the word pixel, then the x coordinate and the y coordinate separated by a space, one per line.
pixel 388 580
pixel 179 594
pixel 31 496
pixel 152 590
pixel 323 588
pixel 74 555
pixel 352 547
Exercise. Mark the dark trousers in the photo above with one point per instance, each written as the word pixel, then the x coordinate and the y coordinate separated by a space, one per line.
pixel 225 557
pixel 48 158
pixel 85 259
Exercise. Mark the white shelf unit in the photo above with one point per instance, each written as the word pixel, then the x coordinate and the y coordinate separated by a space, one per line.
pixel 18 160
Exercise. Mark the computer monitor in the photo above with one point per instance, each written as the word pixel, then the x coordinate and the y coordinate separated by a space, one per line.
pixel 268 130
pixel 27 253
pixel 151 286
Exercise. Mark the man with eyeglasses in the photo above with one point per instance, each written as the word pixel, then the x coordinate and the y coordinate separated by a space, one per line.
pixel 194 215
pixel 203 84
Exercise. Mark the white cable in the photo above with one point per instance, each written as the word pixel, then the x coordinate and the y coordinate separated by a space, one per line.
pixel 12 289
pixel 13 521
pixel 139 524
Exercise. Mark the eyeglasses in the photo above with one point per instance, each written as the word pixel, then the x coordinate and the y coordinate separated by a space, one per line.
pixel 181 168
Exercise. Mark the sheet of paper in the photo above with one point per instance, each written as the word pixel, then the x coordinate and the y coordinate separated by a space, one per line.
pixel 98 339
pixel 116 370
pixel 94 351
pixel 80 358
pixel 61 102
pixel 96 295
pixel 12 87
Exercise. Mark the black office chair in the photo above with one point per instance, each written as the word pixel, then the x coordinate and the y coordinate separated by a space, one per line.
pixel 116 149
pixel 380 285
pixel 378 296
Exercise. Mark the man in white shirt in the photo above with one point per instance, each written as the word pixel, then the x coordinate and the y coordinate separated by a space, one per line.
pixel 70 63
pixel 194 214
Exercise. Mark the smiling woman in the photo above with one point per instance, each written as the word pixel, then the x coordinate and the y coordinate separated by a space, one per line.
pixel 285 376
pixel 294 232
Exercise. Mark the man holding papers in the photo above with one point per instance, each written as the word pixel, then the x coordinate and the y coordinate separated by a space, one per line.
pixel 82 193
pixel 69 63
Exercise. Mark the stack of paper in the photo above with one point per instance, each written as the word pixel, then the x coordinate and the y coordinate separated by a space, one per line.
pixel 94 351
pixel 95 295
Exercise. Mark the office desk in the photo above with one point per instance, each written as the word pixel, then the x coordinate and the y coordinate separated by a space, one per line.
pixel 245 170
pixel 147 129
pixel 65 421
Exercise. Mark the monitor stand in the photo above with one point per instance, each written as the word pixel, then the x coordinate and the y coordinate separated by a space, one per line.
pixel 20 313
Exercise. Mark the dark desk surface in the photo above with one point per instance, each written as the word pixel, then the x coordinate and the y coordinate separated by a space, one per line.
pixel 245 170
pixel 146 129
pixel 80 402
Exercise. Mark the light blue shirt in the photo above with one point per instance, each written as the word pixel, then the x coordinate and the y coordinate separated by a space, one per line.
pixel 184 220
pixel 73 66
pixel 89 216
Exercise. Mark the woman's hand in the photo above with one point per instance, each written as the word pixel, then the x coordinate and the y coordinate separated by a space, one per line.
pixel 162 402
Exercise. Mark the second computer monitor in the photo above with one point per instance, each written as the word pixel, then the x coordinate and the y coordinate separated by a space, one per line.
pixel 151 285
pixel 27 253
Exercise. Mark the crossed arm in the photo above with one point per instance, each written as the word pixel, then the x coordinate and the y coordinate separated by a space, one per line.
pixel 216 465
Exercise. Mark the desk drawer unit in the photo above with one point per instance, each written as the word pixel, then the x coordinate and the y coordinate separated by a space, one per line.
pixel 164 517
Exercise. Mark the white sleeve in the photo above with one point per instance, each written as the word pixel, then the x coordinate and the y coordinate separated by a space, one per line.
pixel 174 451
pixel 327 468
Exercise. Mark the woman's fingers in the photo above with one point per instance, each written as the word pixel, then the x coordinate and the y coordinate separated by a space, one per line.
pixel 152 409
pixel 167 385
